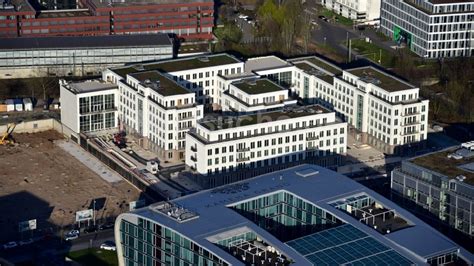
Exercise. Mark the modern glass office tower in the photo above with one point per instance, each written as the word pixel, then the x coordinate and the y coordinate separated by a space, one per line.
pixel 305 215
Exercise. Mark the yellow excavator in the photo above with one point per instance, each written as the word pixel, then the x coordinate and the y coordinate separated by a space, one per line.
pixel 7 136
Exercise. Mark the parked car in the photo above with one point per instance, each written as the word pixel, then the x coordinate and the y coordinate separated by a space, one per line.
pixel 10 245
pixel 106 226
pixel 73 234
pixel 26 242
pixel 108 245
pixel 91 229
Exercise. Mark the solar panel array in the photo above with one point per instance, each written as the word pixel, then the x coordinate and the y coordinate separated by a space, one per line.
pixel 345 244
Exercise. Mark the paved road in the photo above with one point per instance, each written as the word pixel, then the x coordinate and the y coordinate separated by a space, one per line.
pixel 332 35
pixel 335 34
pixel 51 251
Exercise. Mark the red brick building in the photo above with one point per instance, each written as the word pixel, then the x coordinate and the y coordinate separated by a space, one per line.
pixel 189 19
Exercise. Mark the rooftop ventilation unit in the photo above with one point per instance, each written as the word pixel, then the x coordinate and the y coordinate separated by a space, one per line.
pixel 139 67
pixel 369 78
pixel 252 82
pixel 175 211
pixel 204 59
pixel 468 145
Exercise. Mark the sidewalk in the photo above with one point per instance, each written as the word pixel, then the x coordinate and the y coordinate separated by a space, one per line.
pixel 89 160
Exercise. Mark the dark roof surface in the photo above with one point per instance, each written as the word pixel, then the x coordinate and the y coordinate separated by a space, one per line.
pixel 167 86
pixel 83 41
pixel 381 79
pixel 257 86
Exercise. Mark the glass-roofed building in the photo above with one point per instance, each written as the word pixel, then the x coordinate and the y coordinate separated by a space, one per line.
pixel 305 215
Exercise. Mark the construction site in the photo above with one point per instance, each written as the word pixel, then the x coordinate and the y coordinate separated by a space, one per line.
pixel 41 180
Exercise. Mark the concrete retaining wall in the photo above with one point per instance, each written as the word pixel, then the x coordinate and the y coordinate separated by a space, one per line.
pixel 40 125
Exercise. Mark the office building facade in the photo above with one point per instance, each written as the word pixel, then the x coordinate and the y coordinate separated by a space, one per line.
pixel 226 149
pixel 359 11
pixel 430 28
pixel 387 111
pixel 305 215
pixel 156 107
pixel 440 186
pixel 185 19
pixel 78 56
pixel 88 107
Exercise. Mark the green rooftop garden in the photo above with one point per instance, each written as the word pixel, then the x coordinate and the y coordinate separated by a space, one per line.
pixel 257 87
pixel 315 61
pixel 439 162
pixel 192 63
pixel 167 86
pixel 263 118
pixel 380 79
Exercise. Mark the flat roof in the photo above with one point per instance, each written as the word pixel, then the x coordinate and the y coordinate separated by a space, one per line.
pixel 166 87
pixel 89 86
pixel 314 184
pixel 257 86
pixel 67 42
pixel 288 112
pixel 264 63
pixel 64 13
pixel 381 79
pixel 18 5
pixel 173 65
pixel 192 63
pixel 310 69
pixel 449 167
pixel 320 63
pixel 103 3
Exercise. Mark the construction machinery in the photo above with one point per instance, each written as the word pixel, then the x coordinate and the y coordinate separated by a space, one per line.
pixel 7 136
pixel 120 140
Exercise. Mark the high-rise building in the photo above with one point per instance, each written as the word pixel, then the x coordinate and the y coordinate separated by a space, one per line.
pixel 440 185
pixel 305 215
pixel 431 28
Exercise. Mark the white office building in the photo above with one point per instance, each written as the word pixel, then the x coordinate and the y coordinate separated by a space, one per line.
pixel 88 107
pixel 357 10
pixel 258 143
pixel 431 28
pixel 254 94
pixel 160 110
pixel 387 111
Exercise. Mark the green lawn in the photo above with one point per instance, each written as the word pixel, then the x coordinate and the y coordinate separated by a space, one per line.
pixel 331 15
pixel 373 52
pixel 94 257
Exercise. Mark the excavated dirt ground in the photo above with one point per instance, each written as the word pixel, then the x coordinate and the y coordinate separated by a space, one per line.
pixel 38 180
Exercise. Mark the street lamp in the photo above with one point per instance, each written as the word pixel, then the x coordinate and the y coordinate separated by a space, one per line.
pixel 93 211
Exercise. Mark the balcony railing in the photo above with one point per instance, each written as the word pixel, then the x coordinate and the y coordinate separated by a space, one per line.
pixel 193 149
pixel 193 159
pixel 243 149
pixel 312 138
pixel 244 159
